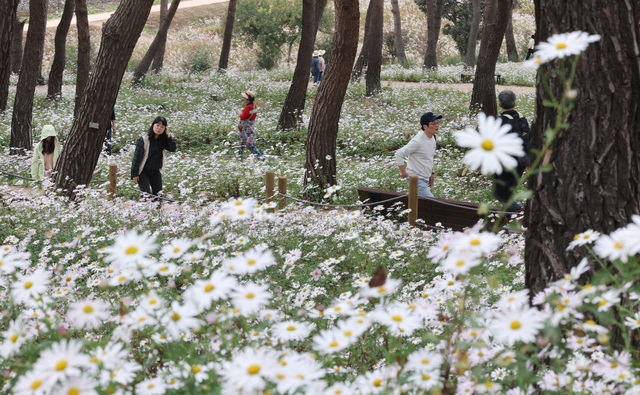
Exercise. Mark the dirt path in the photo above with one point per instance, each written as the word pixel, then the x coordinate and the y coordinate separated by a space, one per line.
pixel 156 8
pixel 453 86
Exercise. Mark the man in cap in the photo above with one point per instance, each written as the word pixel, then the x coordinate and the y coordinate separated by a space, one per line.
pixel 315 68
pixel 419 153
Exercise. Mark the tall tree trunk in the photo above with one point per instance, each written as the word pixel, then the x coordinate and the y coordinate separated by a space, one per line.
pixel 7 17
pixel 29 73
pixel 375 50
pixel 434 21
pixel 293 108
pixel 59 58
pixel 470 58
pixel 595 179
pixel 320 166
pixel 16 44
pixel 161 37
pixel 228 33
pixel 496 16
pixel 84 52
pixel 363 57
pixel 83 146
pixel 512 50
pixel 397 32
pixel 158 59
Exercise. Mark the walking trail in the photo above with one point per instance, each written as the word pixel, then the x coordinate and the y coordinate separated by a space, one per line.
pixel 156 8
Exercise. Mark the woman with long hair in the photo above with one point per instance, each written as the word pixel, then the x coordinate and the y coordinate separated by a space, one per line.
pixel 147 165
pixel 246 126
pixel 46 153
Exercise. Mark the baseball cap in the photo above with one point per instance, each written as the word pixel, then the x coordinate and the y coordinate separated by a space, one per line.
pixel 428 117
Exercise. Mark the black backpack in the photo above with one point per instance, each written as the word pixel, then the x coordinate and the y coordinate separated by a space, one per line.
pixel 520 126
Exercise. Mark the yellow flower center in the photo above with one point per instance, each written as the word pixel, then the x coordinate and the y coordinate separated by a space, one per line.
pixel 88 309
pixel 73 391
pixel 561 46
pixel 591 322
pixel 14 338
pixel 208 288
pixel 460 263
pixel 250 295
pixel 487 145
pixel 253 369
pixel 131 250
pixel 515 325
pixel 333 344
pixel 61 365
pixel 175 316
pixel 36 384
pixel 425 377
pixel 291 328
pixel 195 369
pixel 251 262
pixel 377 382
pixel 176 250
pixel 396 318
pixel 28 285
pixel 618 245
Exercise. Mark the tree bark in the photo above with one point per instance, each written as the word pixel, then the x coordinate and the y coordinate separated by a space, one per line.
pixel 293 107
pixel 320 166
pixel 59 58
pixel 363 57
pixel 83 146
pixel 483 97
pixel 16 45
pixel 375 50
pixel 470 58
pixel 29 73
pixel 595 180
pixel 161 37
pixel 84 52
pixel 7 31
pixel 434 21
pixel 228 33
pixel 512 50
pixel 397 32
pixel 158 59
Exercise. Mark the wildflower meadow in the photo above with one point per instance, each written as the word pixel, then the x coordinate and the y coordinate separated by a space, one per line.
pixel 219 292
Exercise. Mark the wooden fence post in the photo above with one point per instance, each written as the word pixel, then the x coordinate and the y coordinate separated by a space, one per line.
pixel 413 199
pixel 269 185
pixel 282 189
pixel 113 175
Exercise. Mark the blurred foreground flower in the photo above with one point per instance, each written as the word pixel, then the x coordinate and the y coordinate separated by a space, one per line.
pixel 492 146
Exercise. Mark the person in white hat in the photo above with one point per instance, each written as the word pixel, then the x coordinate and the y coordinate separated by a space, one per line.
pixel 320 65
pixel 315 68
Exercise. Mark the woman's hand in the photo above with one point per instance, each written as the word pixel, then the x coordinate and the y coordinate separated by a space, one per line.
pixel 136 179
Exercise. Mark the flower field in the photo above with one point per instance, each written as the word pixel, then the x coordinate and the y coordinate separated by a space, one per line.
pixel 220 293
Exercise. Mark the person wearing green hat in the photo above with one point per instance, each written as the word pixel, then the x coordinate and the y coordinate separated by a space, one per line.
pixel 46 153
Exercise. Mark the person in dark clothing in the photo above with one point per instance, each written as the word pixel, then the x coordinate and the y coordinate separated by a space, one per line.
pixel 506 181
pixel 147 165
pixel 111 131
pixel 315 68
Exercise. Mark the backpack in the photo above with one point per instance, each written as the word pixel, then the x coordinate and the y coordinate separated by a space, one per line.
pixel 521 127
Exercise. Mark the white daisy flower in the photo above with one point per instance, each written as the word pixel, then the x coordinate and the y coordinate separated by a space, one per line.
pixel 29 286
pixel 151 386
pixel 249 298
pixel 62 359
pixel 517 324
pixel 204 292
pixel 291 330
pixel 564 44
pixel 580 239
pixel 492 146
pixel 130 247
pixel 88 313
pixel 176 248
pixel 249 370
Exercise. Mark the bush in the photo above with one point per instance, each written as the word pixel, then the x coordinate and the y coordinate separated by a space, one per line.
pixel 200 60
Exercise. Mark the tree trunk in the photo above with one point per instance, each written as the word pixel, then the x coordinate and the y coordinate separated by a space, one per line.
pixel 59 58
pixel 29 73
pixel 7 31
pixel 595 180
pixel 293 108
pixel 470 58
pixel 363 57
pixel 158 59
pixel 228 33
pixel 434 21
pixel 161 37
pixel 397 32
pixel 320 163
pixel 483 97
pixel 84 52
pixel 512 50
pixel 375 50
pixel 16 44
pixel 83 146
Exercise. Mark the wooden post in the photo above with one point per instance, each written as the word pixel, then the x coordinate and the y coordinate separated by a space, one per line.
pixel 282 188
pixel 113 175
pixel 413 199
pixel 269 185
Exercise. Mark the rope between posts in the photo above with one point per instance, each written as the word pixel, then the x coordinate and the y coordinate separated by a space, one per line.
pixel 33 179
pixel 340 206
